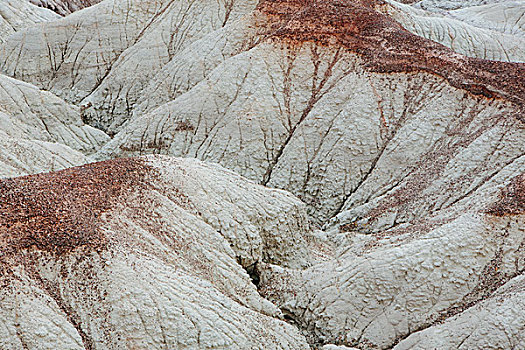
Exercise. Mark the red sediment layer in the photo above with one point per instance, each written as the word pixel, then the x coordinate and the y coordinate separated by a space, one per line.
pixel 59 211
pixel 387 47
pixel 512 199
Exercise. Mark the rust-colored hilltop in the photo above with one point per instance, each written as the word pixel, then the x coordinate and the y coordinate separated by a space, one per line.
pixel 386 47
pixel 59 211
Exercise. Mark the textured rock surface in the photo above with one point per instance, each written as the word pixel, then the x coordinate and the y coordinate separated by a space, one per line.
pixel 380 289
pixel 491 32
pixel 498 324
pixel 505 17
pixel 106 69
pixel 408 153
pixel 443 5
pixel 291 113
pixel 22 156
pixel 15 15
pixel 29 113
pixel 40 132
pixel 64 7
pixel 141 264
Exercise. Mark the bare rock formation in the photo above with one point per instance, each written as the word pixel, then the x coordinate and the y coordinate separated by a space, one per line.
pixel 30 113
pixel 64 7
pixel 23 156
pixel 401 130
pixel 444 5
pixel 498 324
pixel 292 113
pixel 15 15
pixel 405 280
pixel 491 32
pixel 40 132
pixel 106 69
pixel 145 263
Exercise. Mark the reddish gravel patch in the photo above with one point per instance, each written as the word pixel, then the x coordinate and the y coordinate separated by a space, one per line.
pixel 386 47
pixel 512 199
pixel 58 212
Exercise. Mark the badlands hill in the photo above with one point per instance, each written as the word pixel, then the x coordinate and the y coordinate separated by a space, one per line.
pixel 262 174
pixel 64 7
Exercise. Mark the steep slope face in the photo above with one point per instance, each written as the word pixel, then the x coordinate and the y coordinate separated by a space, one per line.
pixel 407 153
pixel 65 7
pixel 181 24
pixel 68 56
pixel 486 32
pixel 382 287
pixel 15 15
pixel 135 41
pixel 505 17
pixel 107 68
pixel 497 318
pixel 40 132
pixel 23 156
pixel 398 144
pixel 444 5
pixel 148 262
pixel 30 113
pixel 292 114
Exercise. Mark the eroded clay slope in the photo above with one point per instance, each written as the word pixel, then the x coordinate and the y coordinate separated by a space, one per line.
pixel 127 56
pixel 408 154
pixel 326 111
pixel 434 281
pixel 64 7
pixel 447 5
pixel 15 15
pixel 106 68
pixel 142 253
pixel 40 132
pixel 30 113
pixel 404 143
pixel 499 324
pixel 71 56
pixel 491 32
pixel 23 156
pixel 505 17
